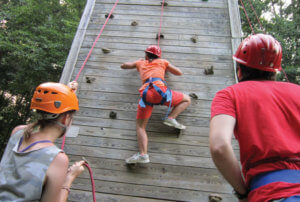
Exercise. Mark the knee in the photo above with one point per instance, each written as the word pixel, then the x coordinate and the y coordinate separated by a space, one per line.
pixel 187 99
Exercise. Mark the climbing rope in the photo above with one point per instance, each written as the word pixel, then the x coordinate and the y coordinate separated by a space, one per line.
pixel 161 18
pixel 96 40
pixel 261 27
pixel 77 76
pixel 249 21
pixel 92 180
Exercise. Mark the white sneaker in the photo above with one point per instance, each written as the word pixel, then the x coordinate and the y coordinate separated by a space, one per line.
pixel 138 158
pixel 174 123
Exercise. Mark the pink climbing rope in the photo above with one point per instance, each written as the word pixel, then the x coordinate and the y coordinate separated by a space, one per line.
pixel 161 18
pixel 96 40
pixel 92 181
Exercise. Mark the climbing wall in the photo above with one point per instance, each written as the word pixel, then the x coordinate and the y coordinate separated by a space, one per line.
pixel 198 37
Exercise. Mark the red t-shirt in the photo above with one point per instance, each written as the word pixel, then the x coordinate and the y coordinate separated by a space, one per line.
pixel 154 69
pixel 267 128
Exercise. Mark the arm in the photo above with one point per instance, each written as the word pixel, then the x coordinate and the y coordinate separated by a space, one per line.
pixel 58 177
pixel 128 65
pixel 174 70
pixel 221 130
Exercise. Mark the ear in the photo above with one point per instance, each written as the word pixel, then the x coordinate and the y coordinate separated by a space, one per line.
pixel 64 118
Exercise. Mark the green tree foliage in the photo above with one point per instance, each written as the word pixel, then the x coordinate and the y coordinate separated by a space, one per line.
pixel 35 38
pixel 281 21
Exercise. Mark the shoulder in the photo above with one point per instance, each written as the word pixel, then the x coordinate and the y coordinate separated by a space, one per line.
pixel 59 163
pixel 18 128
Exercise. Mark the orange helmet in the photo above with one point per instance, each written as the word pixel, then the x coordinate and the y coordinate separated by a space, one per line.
pixel 261 52
pixel 54 98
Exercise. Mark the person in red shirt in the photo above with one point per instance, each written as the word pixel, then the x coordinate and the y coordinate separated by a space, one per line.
pixel 264 116
pixel 155 91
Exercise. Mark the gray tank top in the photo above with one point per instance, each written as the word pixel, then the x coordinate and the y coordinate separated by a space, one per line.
pixel 22 175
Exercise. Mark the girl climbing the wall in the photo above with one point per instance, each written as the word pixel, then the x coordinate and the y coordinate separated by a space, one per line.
pixel 32 167
pixel 154 91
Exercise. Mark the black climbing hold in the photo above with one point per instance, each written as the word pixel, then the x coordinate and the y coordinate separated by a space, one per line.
pixel 193 95
pixel 111 16
pixel 209 70
pixel 90 79
pixel 194 39
pixel 134 23
pixel 165 3
pixel 161 36
pixel 113 115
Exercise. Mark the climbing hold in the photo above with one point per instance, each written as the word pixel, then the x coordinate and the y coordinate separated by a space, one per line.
pixel 113 115
pixel 194 39
pixel 90 79
pixel 193 95
pixel 214 198
pixel 209 70
pixel 111 16
pixel 165 3
pixel 106 50
pixel 134 23
pixel 161 36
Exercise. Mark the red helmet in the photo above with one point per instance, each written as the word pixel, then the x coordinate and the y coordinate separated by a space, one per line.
pixel 54 98
pixel 153 49
pixel 261 52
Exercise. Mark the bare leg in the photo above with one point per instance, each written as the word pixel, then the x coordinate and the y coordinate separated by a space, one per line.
pixel 186 101
pixel 142 135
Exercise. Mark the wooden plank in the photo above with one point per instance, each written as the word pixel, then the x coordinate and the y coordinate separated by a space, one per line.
pixel 209 4
pixel 147 191
pixel 169 159
pixel 130 125
pixel 203 44
pixel 97 54
pixel 199 139
pixel 131 145
pixel 103 62
pixel 182 12
pixel 191 74
pixel 78 195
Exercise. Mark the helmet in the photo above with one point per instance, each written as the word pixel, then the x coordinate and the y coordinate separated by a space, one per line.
pixel 261 52
pixel 153 49
pixel 55 98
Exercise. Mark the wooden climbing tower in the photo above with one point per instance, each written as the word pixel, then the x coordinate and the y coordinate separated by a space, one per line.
pixel 197 35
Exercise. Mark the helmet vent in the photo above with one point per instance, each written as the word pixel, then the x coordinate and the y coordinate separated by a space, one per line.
pixel 39 91
pixel 38 99
pixel 245 52
pixel 54 93
pixel 57 104
pixel 45 92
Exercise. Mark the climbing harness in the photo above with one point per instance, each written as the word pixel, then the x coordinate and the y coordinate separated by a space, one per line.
pixel 166 96
pixel 288 176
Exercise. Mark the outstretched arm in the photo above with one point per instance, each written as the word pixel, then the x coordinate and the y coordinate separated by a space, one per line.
pixel 174 70
pixel 128 65
pixel 221 130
